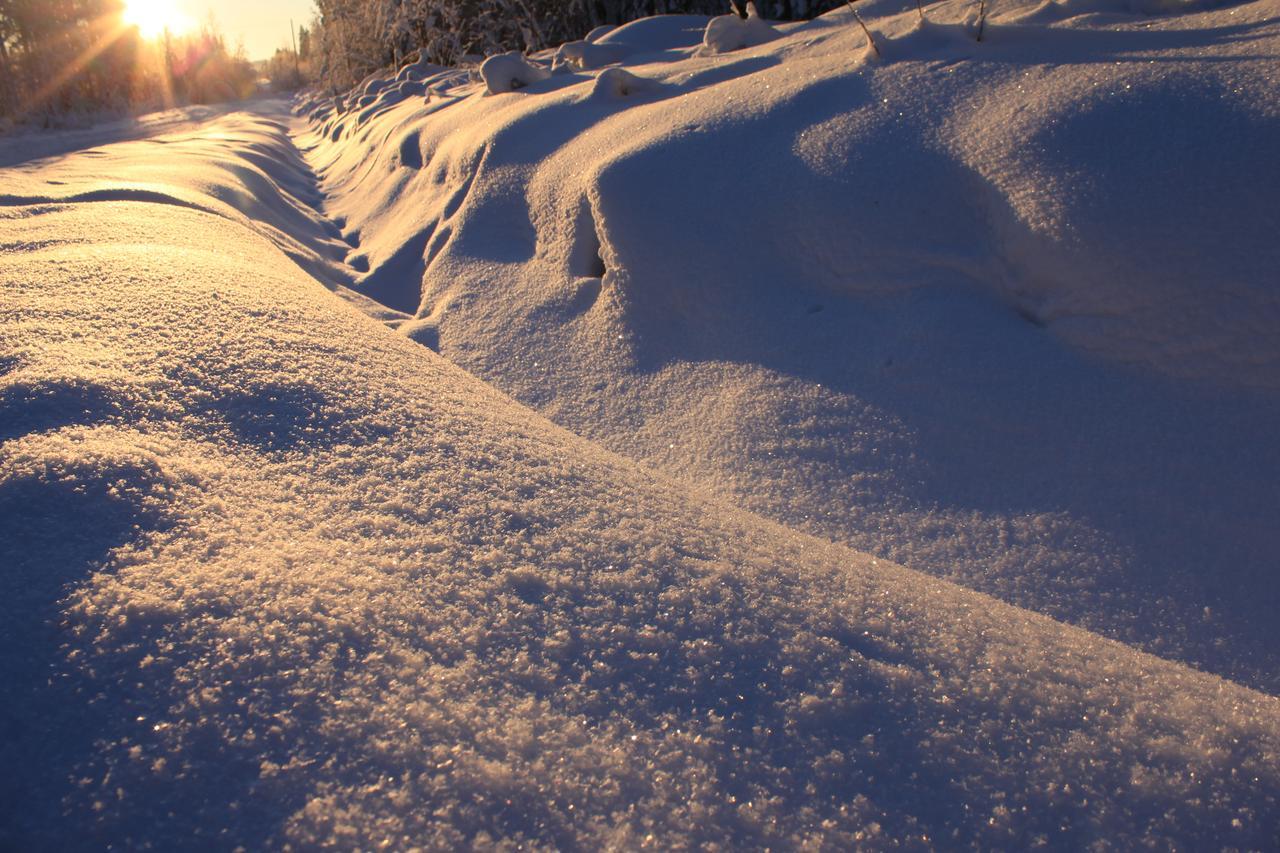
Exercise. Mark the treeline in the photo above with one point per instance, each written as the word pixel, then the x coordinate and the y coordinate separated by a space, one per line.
pixel 352 38
pixel 290 69
pixel 71 56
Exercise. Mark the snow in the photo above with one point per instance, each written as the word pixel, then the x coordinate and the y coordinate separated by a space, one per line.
pixel 508 72
pixel 784 409
pixel 727 33
pixel 586 54
pixel 1004 311
pixel 614 83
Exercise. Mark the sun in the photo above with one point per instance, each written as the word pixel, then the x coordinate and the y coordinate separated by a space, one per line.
pixel 153 17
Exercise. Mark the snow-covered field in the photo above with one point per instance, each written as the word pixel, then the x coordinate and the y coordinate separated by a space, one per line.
pixel 785 445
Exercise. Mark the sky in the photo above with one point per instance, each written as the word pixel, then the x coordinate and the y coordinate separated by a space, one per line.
pixel 262 24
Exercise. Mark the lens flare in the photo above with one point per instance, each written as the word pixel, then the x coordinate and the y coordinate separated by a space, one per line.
pixel 154 17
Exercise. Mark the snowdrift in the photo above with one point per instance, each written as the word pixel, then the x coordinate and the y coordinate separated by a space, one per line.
pixel 276 575
pixel 1005 310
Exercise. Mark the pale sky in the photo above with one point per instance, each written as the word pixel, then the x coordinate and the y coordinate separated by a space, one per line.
pixel 263 24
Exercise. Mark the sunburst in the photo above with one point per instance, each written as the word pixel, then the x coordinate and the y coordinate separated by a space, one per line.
pixel 154 17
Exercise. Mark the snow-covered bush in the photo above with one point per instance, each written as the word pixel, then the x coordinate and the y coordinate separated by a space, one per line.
pixel 729 32
pixel 615 83
pixel 586 55
pixel 508 72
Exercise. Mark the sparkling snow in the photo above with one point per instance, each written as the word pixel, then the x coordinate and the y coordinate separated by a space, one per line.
pixel 707 450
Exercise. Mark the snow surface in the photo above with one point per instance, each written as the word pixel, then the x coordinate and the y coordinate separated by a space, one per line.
pixel 1006 312
pixel 25 143
pixel 276 574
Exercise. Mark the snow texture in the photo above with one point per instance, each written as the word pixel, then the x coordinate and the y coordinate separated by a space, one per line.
pixel 950 307
pixel 275 574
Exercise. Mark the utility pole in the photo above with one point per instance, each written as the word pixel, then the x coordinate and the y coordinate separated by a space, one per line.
pixel 297 68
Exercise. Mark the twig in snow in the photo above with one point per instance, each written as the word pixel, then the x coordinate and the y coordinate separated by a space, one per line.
pixel 920 11
pixel 870 38
pixel 982 17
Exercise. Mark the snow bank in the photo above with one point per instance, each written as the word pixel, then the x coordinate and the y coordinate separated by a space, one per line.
pixel 1001 311
pixel 278 576
pixel 239 167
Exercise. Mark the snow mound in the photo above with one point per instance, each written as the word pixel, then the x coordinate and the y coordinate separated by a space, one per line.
pixel 960 307
pixel 587 55
pixel 304 583
pixel 508 72
pixel 276 575
pixel 615 83
pixel 727 33
pixel 1188 249
pixel 242 168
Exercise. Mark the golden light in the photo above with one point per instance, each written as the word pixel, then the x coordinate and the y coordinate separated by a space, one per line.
pixel 153 17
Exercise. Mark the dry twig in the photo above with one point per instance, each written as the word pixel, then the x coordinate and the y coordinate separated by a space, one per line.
pixel 870 38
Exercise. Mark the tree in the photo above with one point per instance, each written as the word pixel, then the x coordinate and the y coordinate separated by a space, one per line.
pixel 58 55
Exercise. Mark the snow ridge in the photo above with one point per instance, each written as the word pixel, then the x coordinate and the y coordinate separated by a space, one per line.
pixel 948 307
pixel 280 576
